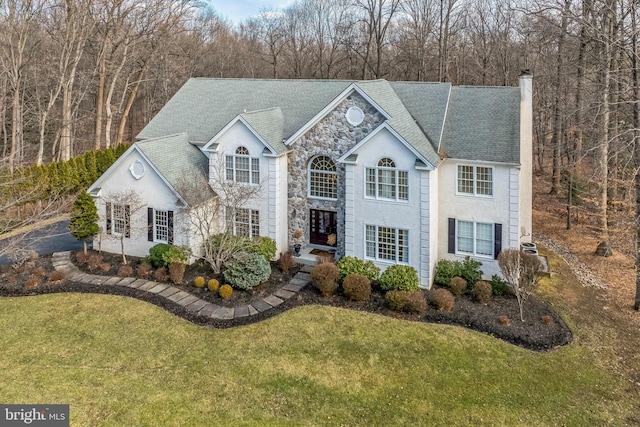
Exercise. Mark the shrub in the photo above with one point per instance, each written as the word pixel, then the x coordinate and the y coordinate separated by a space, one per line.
pixel 324 277
pixel 246 270
pixel 504 320
pixel 155 254
pixel 176 272
pixel 225 291
pixel 213 285
pixel 33 282
pixel 498 285
pixel 143 270
pixel 161 274
pixel 546 319
pixel 94 261
pixel 286 261
pixel 125 271
pixel 82 258
pixel 56 276
pixel 105 266
pixel 39 271
pixel 264 246
pixel 443 299
pixel 198 282
pixel 176 254
pixel 407 301
pixel 469 270
pixel 400 278
pixel 458 286
pixel 482 291
pixel 357 287
pixel 352 265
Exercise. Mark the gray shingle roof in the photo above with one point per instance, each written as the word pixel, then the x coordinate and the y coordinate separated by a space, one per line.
pixel 483 123
pixel 269 124
pixel 175 158
pixel 479 122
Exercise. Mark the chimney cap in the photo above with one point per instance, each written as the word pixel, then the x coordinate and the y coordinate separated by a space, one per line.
pixel 525 72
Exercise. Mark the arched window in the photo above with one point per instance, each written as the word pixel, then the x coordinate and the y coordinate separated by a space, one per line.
pixel 323 178
pixel 243 168
pixel 386 182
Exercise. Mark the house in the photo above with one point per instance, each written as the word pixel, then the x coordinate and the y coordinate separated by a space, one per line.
pixel 398 172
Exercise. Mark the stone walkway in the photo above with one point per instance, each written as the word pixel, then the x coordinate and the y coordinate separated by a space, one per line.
pixel 62 261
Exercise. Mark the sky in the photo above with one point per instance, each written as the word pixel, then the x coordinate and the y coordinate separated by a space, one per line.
pixel 239 10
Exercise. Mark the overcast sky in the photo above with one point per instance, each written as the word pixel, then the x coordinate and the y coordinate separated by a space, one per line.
pixel 239 10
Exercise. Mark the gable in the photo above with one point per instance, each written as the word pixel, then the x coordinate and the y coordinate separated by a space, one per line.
pixel 236 135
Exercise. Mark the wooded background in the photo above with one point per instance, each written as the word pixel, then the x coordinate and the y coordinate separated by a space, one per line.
pixel 81 75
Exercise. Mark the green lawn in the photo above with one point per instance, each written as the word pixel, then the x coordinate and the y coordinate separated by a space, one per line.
pixel 122 362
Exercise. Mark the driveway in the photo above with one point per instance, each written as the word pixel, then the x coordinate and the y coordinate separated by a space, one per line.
pixel 49 239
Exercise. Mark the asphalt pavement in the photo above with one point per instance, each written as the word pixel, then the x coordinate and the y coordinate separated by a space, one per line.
pixel 46 240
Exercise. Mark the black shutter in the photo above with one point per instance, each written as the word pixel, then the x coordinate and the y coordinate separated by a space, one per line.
pixel 150 224
pixel 108 215
pixel 170 223
pixel 127 221
pixel 497 240
pixel 452 236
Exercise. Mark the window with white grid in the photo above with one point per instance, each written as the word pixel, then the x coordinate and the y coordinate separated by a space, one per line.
pixel 475 238
pixel 387 243
pixel 323 178
pixel 242 168
pixel 161 226
pixel 243 222
pixel 119 218
pixel 387 182
pixel 475 180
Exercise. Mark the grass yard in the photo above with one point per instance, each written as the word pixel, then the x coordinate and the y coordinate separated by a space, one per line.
pixel 122 362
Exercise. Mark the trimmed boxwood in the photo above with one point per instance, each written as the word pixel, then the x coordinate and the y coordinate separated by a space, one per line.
pixel 400 278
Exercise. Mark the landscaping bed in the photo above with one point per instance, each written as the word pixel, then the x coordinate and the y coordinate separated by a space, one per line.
pixel 542 329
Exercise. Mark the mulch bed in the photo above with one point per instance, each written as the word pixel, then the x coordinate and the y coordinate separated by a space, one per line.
pixel 542 330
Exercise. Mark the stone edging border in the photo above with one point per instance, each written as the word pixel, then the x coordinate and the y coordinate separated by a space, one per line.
pixel 62 261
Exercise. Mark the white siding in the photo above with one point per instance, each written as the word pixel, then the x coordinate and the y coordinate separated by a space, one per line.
pixel 412 215
pixel 502 208
pixel 270 198
pixel 153 192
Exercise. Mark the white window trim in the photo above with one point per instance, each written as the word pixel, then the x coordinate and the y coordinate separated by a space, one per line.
pixel 229 211
pixel 376 184
pixel 377 242
pixel 475 239
pixel 309 170
pixel 475 181
pixel 251 170
pixel 155 225
pixel 115 219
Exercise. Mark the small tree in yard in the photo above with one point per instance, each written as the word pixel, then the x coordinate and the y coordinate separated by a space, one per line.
pixel 520 270
pixel 211 202
pixel 83 224
pixel 121 208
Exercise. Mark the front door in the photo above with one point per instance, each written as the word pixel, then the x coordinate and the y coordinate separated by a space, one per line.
pixel 322 224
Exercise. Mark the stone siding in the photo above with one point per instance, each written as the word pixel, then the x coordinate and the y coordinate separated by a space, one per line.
pixel 332 136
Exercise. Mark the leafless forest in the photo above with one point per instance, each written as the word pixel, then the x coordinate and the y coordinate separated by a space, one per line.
pixel 82 75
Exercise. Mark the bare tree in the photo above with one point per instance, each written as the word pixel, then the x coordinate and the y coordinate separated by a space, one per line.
pixel 520 270
pixel 208 208
pixel 121 208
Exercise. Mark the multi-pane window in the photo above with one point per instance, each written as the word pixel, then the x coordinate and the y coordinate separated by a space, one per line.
pixel 242 168
pixel 476 180
pixel 474 238
pixel 387 182
pixel 386 243
pixel 323 178
pixel 243 222
pixel 118 219
pixel 161 226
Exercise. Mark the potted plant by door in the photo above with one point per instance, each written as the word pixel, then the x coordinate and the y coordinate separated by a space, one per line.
pixel 297 235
